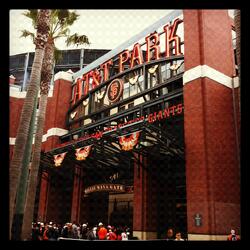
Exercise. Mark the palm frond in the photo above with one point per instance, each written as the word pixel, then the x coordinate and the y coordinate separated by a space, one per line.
pixel 71 18
pixel 32 14
pixel 62 33
pixel 61 20
pixel 63 14
pixel 76 39
pixel 26 33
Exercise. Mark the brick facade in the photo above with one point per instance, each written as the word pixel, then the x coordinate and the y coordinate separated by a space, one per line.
pixel 212 166
pixel 211 140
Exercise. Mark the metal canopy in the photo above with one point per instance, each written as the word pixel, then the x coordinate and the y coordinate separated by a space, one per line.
pixel 107 154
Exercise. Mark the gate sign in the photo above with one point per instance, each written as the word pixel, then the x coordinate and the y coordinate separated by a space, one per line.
pixel 105 188
pixel 93 78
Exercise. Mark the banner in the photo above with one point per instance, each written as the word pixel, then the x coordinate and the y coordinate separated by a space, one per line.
pixel 59 158
pixel 128 142
pixel 82 153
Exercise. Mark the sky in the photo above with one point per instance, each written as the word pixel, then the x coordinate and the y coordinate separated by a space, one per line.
pixel 106 29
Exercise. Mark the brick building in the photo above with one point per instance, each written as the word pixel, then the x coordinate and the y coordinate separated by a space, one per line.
pixel 148 134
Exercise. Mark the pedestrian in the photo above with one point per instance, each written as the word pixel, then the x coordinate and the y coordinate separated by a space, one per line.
pixel 102 232
pixel 170 234
pixel 35 232
pixel 46 233
pixel 65 231
pixel 178 236
pixel 119 231
pixel 74 231
pixel 84 231
pixel 111 235
pixel 91 234
pixel 124 235
pixel 232 236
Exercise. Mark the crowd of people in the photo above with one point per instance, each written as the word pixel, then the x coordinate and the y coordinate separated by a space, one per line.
pixel 52 231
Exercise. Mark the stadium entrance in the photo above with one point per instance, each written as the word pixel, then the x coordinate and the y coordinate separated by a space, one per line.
pixel 113 148
pixel 140 148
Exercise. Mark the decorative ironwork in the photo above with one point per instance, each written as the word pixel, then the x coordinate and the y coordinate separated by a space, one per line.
pixel 153 69
pixel 133 80
pixel 85 102
pixel 72 115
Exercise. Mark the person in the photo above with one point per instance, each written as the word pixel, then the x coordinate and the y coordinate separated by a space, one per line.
pixel 46 233
pixel 111 235
pixel 124 235
pixel 64 231
pixel 170 234
pixel 74 231
pixel 102 232
pixel 232 236
pixel 178 236
pixel 84 231
pixel 35 232
pixel 91 234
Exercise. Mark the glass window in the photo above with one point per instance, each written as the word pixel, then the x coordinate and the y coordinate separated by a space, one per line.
pixel 126 90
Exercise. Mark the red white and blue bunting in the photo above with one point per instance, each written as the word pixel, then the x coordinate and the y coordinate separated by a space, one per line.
pixel 128 142
pixel 83 152
pixel 58 159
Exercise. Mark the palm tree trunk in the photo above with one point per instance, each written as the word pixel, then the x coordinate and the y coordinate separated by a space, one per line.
pixel 28 106
pixel 46 76
pixel 32 184
pixel 21 191
pixel 237 29
pixel 237 20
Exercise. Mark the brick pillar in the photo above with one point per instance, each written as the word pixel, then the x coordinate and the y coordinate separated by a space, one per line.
pixel 76 195
pixel 43 197
pixel 57 108
pixel 54 127
pixel 145 206
pixel 212 165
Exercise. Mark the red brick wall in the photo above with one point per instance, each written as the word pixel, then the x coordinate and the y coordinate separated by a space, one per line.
pixel 208 40
pixel 77 194
pixel 212 168
pixel 145 197
pixel 57 108
pixel 15 105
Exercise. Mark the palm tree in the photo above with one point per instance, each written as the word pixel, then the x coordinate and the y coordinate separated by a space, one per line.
pixel 43 20
pixel 60 22
pixel 237 29
pixel 237 20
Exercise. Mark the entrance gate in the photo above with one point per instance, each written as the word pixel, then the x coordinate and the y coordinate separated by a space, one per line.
pixel 158 151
